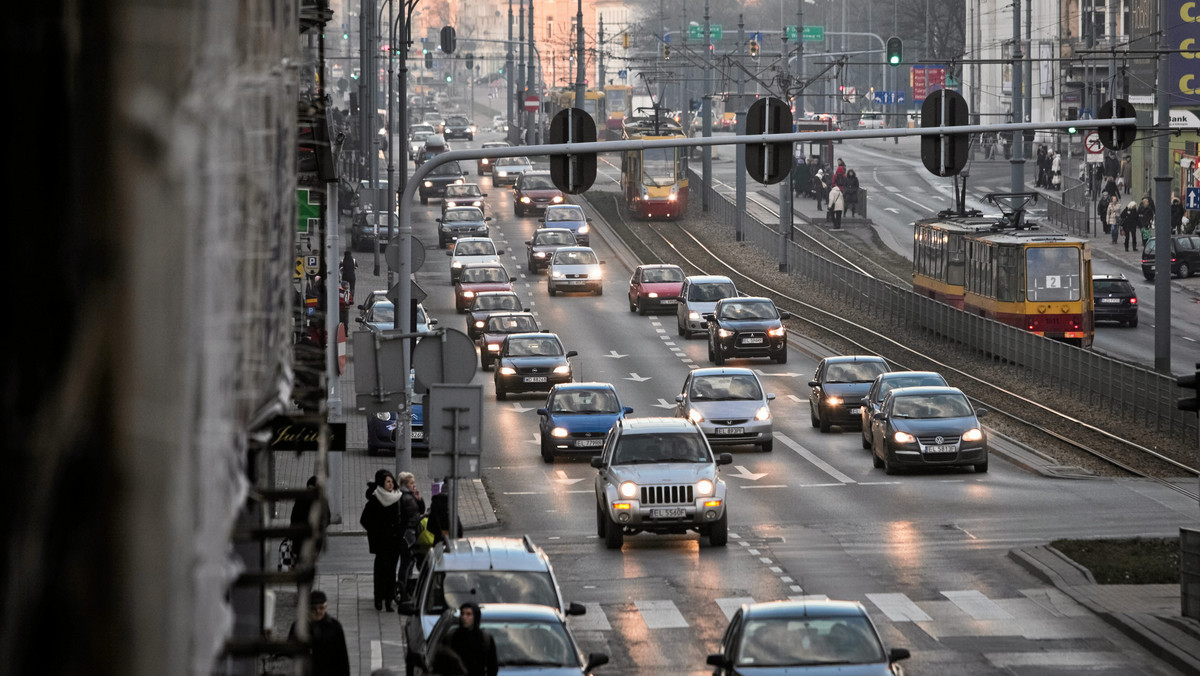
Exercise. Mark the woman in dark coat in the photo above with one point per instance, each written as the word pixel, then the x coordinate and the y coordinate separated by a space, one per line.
pixel 850 192
pixel 385 537
pixel 412 508
pixel 1129 224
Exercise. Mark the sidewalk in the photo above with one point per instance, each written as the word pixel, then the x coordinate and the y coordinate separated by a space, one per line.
pixel 1147 613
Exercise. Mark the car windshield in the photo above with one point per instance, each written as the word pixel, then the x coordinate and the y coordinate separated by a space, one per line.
pixel 908 381
pixel 567 214
pixel 483 275
pixel 420 136
pixel 748 310
pixel 733 387
pixel 780 642
pixel 635 449
pixel 458 121
pixel 451 589
pixel 512 161
pixel 383 313
pixel 658 275
pixel 1148 249
pixel 1052 274
pixel 462 191
pixel 537 183
pixel 932 406
pixel 574 257
pixel 520 324
pixel 1111 286
pixel 554 238
pixel 457 215
pixel 501 302
pixel 527 643
pixel 447 169
pixel 474 248
pixel 534 347
pixel 586 401
pixel 711 292
pixel 854 372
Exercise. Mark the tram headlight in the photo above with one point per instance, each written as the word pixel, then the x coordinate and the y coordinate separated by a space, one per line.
pixel 973 434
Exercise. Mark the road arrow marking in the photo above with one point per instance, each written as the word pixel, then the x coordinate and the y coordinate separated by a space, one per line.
pixel 613 354
pixel 794 398
pixel 743 473
pixel 562 478
pixel 663 403
pixel 533 440
pixel 638 379
pixel 893 210
pixel 523 409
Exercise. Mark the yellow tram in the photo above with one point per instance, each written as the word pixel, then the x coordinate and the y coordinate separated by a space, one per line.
pixel 654 181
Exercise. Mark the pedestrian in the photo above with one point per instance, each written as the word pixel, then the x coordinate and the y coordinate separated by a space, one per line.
pixel 381 519
pixel 473 645
pixel 836 205
pixel 850 192
pixel 326 639
pixel 1176 215
pixel 839 175
pixel 820 187
pixel 412 508
pixel 439 519
pixel 1112 217
pixel 1056 170
pixel 1146 219
pixel 301 515
pixel 1126 177
pixel 801 178
pixel 1129 224
pixel 1110 186
pixel 1040 163
pixel 349 266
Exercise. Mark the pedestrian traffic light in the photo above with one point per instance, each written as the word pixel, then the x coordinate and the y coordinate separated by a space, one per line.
pixel 666 51
pixel 1072 114
pixel 894 49
pixel 428 59
pixel 754 48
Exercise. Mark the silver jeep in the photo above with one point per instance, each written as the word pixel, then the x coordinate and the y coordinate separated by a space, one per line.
pixel 659 475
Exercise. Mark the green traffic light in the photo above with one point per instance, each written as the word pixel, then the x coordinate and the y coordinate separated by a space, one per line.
pixel 448 78
pixel 1071 130
pixel 894 60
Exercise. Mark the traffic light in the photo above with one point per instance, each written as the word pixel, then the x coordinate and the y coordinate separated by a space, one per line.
pixel 448 39
pixel 666 51
pixel 1191 403
pixel 625 40
pixel 894 49
pixel 1072 114
pixel 428 59
pixel 449 79
pixel 754 48
pixel 470 62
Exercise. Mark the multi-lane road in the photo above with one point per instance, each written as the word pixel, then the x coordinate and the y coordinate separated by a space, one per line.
pixel 926 553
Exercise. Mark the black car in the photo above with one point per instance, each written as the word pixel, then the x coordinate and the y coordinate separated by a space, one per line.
pixel 364 234
pixel 928 427
pixel 886 382
pixel 435 182
pixel 1185 256
pixel 1114 299
pixel 462 222
pixel 746 327
pixel 838 386
pixel 531 362
pixel 458 126
pixel 485 304
pixel 545 242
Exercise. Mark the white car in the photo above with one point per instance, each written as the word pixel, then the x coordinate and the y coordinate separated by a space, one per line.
pixel 471 250
pixel 509 169
pixel 416 138
pixel 575 268
pixel 870 121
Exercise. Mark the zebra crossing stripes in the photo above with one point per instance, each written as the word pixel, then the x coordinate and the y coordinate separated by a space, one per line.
pixel 898 608
pixel 593 620
pixel 978 606
pixel 661 614
pixel 730 605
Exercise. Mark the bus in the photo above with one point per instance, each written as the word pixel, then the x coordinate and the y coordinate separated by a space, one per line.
pixel 619 101
pixel 654 181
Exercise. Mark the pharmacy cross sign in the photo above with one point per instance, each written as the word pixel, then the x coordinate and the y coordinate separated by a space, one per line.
pixel 308 213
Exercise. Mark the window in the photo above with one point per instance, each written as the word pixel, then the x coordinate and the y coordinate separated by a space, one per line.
pixel 658 166
pixel 454 588
pixel 1053 274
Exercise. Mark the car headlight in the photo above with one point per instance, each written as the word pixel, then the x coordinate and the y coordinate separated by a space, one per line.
pixel 508 371
pixel 776 333
pixel 559 432
pixel 539 254
pixel 476 203
pixel 383 415
pixel 564 368
pixel 556 274
pixel 503 173
pixel 695 416
pixel 704 487
pixel 493 347
pixel 763 413
pixel 974 434
pixel 468 294
pixel 594 272
pixel 525 200
pixel 428 184
pixel 451 204
pixel 583 229
pixel 724 333
pixel 628 489
pixel 652 294
pixel 557 199
pixel 903 438
pixel 456 264
pixel 484 161
pixel 458 182
pixel 479 324
pixel 833 401
pixel 693 316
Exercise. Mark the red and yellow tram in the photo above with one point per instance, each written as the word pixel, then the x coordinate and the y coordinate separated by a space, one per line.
pixel 654 181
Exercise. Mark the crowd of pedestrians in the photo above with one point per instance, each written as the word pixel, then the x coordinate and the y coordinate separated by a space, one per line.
pixel 838 189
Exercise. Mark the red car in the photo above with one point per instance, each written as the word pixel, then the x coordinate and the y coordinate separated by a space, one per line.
pixel 655 288
pixel 534 192
pixel 476 278
pixel 497 328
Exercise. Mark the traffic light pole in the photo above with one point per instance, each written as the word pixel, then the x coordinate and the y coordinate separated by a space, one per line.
pixel 740 159
pixel 785 187
pixel 706 108
pixel 1162 213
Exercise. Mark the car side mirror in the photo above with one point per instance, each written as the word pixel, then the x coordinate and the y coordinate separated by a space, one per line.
pixel 897 654
pixel 543 411
pixel 718 661
pixel 499 252
pixel 529 242
pixel 725 459
pixel 813 383
pixel 487 218
pixel 541 220
pixel 597 462
pixel 770 396
pixel 708 316
pixel 878 415
pixel 360 320
pixel 627 410
pixel 679 399
pixel 483 194
pixel 784 314
pixel 432 322
pixel 576 609
pixel 572 353
pixel 981 413
pixel 603 262
pixel 525 309
pixel 594 660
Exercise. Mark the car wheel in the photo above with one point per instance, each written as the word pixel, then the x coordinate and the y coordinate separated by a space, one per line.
pixel 641 309
pixel 551 290
pixel 679 328
pixel 599 289
pixel 812 416
pixel 1149 276
pixel 1185 270
pixel 547 454
pixel 782 358
pixel 718 356
pixel 718 534
pixel 711 356
pixel 483 364
pixel 424 200
pixel 1133 322
pixel 767 446
pixel 889 468
pixel 613 536
pixel 532 268
pixel 876 462
pixel 981 468
pixel 825 425
pixel 866 443
pixel 501 394
pixel 634 307
pixel 601 518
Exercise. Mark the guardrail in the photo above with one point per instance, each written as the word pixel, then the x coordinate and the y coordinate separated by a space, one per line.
pixel 1138 395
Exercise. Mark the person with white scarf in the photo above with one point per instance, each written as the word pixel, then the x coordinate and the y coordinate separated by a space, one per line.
pixel 385 534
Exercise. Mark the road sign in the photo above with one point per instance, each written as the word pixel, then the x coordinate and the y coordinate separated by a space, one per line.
pixel 622 73
pixel 697 32
pixel 1093 146
pixel 341 348
pixel 299 274
pixel 1117 138
pixel 886 97
pixel 308 215
pixel 450 360
pixel 1191 200
pixel 811 33
pixel 531 103
pixel 927 79
pixel 312 265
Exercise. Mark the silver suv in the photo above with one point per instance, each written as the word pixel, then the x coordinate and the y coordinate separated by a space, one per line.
pixel 481 570
pixel 699 295
pixel 659 475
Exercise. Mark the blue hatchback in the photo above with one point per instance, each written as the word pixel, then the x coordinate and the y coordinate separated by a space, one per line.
pixel 571 217
pixel 577 417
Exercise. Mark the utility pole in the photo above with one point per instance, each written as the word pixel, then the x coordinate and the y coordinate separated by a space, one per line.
pixel 800 58
pixel 515 136
pixel 531 85
pixel 580 68
pixel 403 313
pixel 706 109
pixel 740 160
pixel 508 68
pixel 1018 143
pixel 785 186
pixel 1162 206
pixel 600 53
pixel 1028 152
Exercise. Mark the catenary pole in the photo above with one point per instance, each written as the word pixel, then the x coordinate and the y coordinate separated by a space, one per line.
pixel 740 156
pixel 706 108
pixel 1162 205
pixel 1018 142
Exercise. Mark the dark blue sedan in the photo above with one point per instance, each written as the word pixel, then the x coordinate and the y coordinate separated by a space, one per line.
pixel 577 417
pixel 381 431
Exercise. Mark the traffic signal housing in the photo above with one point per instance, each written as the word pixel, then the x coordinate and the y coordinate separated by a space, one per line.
pixel 1072 114
pixel 769 163
pixel 625 41
pixel 428 59
pixel 753 48
pixel 1191 403
pixel 470 62
pixel 448 39
pixel 895 49
pixel 666 50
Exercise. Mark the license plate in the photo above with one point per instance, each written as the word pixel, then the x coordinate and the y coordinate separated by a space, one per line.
pixel 1110 300
pixel 667 301
pixel 575 281
pixel 676 513
pixel 417 434
pixel 589 443
pixel 942 448
pixel 731 430
pixel 855 411
pixel 757 340
pixel 534 379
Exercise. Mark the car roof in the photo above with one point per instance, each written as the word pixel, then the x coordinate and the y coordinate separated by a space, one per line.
pixel 562 387
pixel 492 553
pixel 463 208
pixel 924 390
pixel 531 334
pixel 723 370
pixel 908 374
pixel 555 230
pixel 852 358
pixel 743 299
pixel 649 266
pixel 435 140
pixel 513 160
pixel 495 293
pixel 507 313
pixel 1117 277
pixel 496 144
pixel 482 264
pixel 508 612
pixel 813 608
pixel 659 424
pixel 464 185
pixel 569 249
pixel 703 279
pixel 560 207
pixel 460 240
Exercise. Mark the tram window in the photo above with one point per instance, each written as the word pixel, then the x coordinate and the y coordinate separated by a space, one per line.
pixel 1008 273
pixel 658 166
pixel 1052 274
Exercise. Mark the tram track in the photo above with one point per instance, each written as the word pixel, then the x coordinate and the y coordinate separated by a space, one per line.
pixel 1031 421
